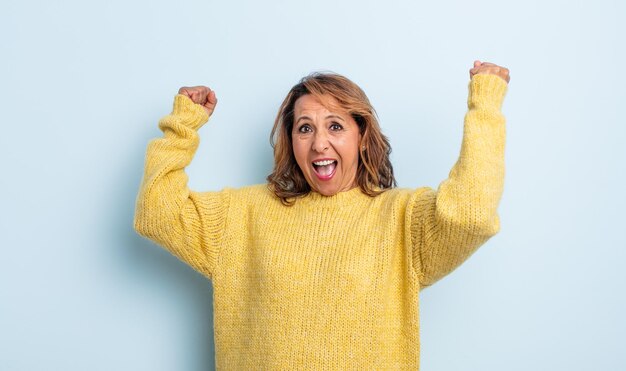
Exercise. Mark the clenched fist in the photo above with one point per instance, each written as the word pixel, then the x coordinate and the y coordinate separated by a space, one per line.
pixel 489 68
pixel 201 95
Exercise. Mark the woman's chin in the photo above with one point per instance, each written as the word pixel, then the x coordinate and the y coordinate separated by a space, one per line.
pixel 329 187
pixel 327 191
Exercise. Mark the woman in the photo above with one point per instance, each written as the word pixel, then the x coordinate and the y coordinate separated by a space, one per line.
pixel 321 268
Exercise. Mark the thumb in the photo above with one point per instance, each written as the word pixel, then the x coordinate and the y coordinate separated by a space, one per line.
pixel 211 98
pixel 211 102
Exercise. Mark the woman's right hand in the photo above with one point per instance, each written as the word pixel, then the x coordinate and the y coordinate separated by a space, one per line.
pixel 490 68
pixel 201 95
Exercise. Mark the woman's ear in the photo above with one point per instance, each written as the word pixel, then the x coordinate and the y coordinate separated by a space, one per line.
pixel 362 143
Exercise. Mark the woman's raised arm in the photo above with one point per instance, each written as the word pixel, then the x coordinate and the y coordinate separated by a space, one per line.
pixel 449 224
pixel 188 224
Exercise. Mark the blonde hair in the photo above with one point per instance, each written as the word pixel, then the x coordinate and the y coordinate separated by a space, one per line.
pixel 374 172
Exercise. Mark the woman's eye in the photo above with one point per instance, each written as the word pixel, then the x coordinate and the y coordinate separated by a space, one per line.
pixel 335 126
pixel 304 129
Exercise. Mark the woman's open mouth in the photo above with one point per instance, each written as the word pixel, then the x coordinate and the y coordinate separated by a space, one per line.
pixel 325 169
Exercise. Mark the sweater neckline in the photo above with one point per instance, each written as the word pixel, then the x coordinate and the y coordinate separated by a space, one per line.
pixel 348 197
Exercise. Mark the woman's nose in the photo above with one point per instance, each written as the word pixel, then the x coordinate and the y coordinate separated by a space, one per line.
pixel 320 142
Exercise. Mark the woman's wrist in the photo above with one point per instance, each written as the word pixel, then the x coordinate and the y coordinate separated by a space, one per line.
pixel 192 114
pixel 486 90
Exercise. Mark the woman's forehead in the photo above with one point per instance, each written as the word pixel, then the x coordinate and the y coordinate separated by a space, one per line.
pixel 325 104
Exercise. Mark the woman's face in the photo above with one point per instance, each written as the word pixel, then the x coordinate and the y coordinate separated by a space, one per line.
pixel 326 145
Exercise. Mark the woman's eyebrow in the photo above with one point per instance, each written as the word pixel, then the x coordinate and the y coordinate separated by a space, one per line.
pixel 302 118
pixel 335 116
pixel 327 117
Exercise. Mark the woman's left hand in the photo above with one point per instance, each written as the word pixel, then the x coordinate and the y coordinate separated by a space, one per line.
pixel 490 68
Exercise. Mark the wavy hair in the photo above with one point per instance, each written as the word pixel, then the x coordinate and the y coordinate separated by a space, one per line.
pixel 374 171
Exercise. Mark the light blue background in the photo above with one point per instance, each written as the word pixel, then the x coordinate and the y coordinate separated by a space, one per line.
pixel 83 85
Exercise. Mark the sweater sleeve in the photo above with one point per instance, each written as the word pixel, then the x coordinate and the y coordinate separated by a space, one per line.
pixel 448 225
pixel 188 224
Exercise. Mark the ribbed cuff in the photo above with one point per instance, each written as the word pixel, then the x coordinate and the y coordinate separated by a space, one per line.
pixel 486 90
pixel 193 114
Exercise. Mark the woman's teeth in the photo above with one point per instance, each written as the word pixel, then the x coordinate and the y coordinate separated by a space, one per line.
pixel 322 163
pixel 325 168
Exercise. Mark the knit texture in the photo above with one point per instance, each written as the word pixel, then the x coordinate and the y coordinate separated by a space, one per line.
pixel 329 283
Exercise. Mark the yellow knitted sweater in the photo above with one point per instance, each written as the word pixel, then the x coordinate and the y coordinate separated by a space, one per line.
pixel 330 283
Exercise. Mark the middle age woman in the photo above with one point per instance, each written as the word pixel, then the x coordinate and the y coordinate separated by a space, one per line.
pixel 321 267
